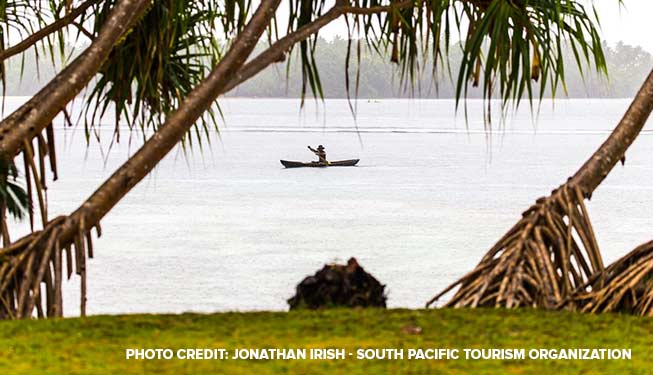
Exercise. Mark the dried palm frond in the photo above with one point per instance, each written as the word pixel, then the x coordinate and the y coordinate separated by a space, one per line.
pixel 540 262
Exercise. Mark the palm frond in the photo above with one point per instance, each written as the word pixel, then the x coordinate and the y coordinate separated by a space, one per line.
pixel 13 196
pixel 508 46
pixel 159 62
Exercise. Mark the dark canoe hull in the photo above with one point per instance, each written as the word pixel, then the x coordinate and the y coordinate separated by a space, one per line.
pixel 314 164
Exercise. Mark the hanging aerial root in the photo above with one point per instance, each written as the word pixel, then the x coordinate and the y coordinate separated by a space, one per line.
pixel 34 166
pixel 31 269
pixel 627 286
pixel 549 254
pixel 35 181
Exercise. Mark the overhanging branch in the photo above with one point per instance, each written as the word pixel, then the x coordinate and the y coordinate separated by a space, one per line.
pixel 47 30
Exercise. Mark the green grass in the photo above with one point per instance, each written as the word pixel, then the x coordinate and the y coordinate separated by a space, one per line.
pixel 96 345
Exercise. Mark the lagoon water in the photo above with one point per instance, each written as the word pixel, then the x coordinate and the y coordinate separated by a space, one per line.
pixel 227 228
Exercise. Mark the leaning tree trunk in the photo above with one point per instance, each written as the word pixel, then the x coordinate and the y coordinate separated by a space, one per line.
pixel 38 258
pixel 551 254
pixel 597 167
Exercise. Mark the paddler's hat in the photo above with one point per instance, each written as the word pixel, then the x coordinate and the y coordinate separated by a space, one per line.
pixel 320 147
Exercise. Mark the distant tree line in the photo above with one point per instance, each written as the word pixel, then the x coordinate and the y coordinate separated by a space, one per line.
pixel 379 78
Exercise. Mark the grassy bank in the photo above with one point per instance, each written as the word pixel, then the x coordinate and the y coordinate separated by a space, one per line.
pixel 96 345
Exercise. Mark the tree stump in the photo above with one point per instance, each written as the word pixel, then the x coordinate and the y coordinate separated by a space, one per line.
pixel 338 285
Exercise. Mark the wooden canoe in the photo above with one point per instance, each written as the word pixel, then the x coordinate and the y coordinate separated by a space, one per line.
pixel 315 164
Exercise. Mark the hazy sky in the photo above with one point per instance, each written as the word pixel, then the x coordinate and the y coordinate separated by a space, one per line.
pixel 631 23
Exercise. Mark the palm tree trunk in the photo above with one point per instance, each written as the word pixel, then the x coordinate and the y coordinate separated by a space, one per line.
pixel 225 77
pixel 177 124
pixel 597 167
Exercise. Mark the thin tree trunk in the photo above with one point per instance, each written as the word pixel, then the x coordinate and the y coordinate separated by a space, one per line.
pixel 173 130
pixel 221 80
pixel 32 117
pixel 597 167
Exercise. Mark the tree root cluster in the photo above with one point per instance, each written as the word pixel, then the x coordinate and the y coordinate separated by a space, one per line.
pixel 541 262
pixel 550 259
pixel 627 286
pixel 32 270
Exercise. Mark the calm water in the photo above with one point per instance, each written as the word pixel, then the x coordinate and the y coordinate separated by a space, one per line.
pixel 229 229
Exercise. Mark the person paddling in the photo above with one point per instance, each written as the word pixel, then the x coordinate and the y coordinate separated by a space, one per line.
pixel 321 154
